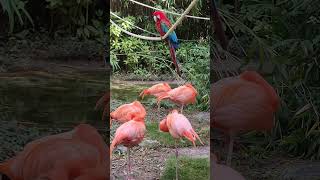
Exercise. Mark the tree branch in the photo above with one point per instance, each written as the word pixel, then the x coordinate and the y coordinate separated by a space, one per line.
pixel 215 18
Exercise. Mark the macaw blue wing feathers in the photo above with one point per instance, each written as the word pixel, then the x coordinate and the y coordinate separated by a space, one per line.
pixel 172 36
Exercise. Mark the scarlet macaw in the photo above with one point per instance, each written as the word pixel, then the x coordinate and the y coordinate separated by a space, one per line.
pixel 163 25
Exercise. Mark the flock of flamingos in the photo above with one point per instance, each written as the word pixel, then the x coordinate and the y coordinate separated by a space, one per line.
pixel 132 115
pixel 241 103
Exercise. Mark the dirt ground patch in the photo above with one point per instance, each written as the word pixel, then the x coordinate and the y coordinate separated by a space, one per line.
pixel 272 166
pixel 149 163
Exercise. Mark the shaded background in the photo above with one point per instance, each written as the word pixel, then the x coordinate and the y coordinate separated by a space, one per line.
pixel 53 68
pixel 280 40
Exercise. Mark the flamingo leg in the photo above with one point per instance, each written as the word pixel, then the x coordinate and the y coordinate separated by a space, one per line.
pixel 181 108
pixel 129 166
pixel 159 112
pixel 230 150
pixel 175 143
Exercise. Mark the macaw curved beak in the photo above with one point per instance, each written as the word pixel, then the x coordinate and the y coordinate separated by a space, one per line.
pixel 155 18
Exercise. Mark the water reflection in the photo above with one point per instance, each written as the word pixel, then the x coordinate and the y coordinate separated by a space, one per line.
pixel 58 101
pixel 129 91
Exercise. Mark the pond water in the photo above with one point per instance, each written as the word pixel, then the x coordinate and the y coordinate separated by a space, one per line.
pixel 52 100
pixel 61 100
pixel 129 91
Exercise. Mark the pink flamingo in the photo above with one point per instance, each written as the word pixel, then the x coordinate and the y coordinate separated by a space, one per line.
pixel 127 112
pixel 243 103
pixel 182 95
pixel 178 126
pixel 129 134
pixel 157 91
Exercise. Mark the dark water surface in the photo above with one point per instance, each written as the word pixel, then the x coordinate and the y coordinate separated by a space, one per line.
pixel 52 100
pixel 129 91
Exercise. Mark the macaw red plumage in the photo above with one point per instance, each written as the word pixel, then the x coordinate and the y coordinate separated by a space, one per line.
pixel 163 25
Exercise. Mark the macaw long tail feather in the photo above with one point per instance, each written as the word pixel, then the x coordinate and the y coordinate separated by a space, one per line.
pixel 173 57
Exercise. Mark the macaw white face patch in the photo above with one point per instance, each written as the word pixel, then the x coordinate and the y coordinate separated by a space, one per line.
pixel 155 18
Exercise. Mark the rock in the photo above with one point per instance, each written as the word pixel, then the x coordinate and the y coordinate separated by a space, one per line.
pixel 149 143
pixel 309 171
pixel 202 116
pixel 121 149
pixel 195 152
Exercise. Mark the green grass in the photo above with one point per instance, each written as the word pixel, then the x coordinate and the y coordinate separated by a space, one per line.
pixel 189 168
pixel 166 140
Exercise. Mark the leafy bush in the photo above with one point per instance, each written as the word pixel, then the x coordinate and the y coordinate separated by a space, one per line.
pixel 133 53
pixel 75 15
pixel 196 67
pixel 15 8
pixel 79 18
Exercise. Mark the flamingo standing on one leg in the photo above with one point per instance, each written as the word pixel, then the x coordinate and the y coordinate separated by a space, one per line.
pixel 127 112
pixel 182 95
pixel 157 91
pixel 129 134
pixel 179 126
pixel 243 103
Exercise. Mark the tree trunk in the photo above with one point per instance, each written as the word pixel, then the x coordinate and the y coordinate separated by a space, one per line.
pixel 217 25
pixel 236 6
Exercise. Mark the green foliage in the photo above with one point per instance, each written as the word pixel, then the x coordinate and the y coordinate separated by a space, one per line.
pixel 296 75
pixel 196 67
pixel 145 20
pixel 189 169
pixel 15 8
pixel 298 119
pixel 75 15
pixel 135 54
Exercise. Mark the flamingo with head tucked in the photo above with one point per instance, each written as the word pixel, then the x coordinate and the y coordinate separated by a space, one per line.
pixel 242 103
pixel 78 154
pixel 179 126
pixel 127 112
pixel 129 134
